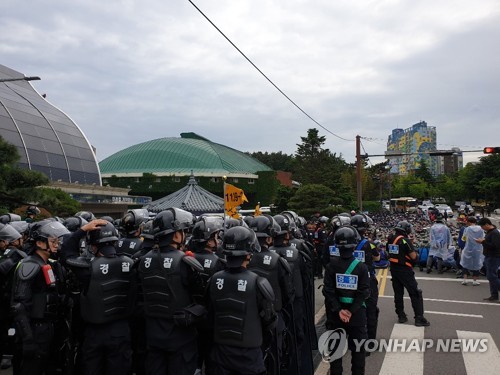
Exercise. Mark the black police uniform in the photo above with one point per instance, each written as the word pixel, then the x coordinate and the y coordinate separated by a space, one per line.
pixel 320 236
pixel 168 282
pixel 277 271
pixel 365 251
pixel 399 247
pixel 341 291
pixel 299 306
pixel 241 309
pixel 129 245
pixel 8 262
pixel 35 305
pixel 211 264
pixel 107 300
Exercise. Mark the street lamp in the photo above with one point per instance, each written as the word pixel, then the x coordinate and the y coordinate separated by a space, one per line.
pixel 20 79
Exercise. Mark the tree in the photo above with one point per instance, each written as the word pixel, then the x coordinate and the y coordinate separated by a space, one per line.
pixel 424 173
pixel 17 185
pixel 278 161
pixel 57 202
pixel 311 198
pixel 315 165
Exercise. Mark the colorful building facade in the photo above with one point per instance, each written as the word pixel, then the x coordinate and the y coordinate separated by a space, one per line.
pixel 411 147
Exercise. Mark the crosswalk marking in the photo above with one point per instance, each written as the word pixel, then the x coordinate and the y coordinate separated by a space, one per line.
pixel 413 361
pixel 454 314
pixel 453 301
pixel 485 363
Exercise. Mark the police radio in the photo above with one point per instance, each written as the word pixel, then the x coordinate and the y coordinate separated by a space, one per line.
pixel 48 273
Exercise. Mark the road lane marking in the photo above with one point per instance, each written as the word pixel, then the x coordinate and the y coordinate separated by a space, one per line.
pixel 409 363
pixel 454 314
pixel 481 363
pixel 379 275
pixel 383 282
pixel 452 301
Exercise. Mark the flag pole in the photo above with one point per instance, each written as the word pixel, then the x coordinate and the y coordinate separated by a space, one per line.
pixel 224 178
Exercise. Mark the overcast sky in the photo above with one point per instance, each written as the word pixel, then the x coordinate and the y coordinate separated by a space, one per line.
pixel 131 71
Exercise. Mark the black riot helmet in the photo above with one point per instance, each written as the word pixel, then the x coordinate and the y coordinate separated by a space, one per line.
pixel 403 227
pixel 231 222
pixel 133 219
pixel 9 218
pixel 33 210
pixel 103 234
pixel 284 224
pixel 340 220
pixel 346 239
pixel 48 228
pixel 293 220
pixel 74 223
pixel 170 221
pixel 21 226
pixel 8 233
pixel 205 228
pixel 323 220
pixel 359 222
pixel 147 231
pixel 108 218
pixel 89 216
pixel 239 241
pixel 248 220
pixel 265 226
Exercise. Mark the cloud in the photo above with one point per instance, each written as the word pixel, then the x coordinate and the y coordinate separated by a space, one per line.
pixel 129 71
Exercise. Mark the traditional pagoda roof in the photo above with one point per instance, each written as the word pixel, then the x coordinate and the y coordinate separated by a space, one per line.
pixel 192 198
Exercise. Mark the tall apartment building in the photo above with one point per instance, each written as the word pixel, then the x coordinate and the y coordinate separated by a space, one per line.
pixel 416 143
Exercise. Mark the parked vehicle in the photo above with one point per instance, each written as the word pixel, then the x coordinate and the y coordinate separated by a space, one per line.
pixel 445 208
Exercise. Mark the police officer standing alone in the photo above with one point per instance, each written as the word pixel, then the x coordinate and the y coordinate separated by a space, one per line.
pixel 402 257
pixel 107 297
pixel 240 307
pixel 35 297
pixel 169 279
pixel 346 287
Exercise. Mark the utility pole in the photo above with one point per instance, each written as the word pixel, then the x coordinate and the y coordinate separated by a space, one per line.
pixel 358 174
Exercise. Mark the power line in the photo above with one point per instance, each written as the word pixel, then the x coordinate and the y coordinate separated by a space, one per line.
pixel 268 79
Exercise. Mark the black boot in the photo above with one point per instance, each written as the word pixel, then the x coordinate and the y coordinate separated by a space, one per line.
pixel 402 318
pixel 420 321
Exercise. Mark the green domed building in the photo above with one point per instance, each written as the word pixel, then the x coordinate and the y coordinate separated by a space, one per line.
pixel 162 166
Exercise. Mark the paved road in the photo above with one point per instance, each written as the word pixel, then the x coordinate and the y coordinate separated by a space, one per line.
pixel 455 311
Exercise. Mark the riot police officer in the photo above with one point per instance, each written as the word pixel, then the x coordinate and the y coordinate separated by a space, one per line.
pixel 368 253
pixel 336 222
pixel 298 309
pixel 107 297
pixel 35 296
pixel 277 271
pixel 320 236
pixel 10 255
pixel 169 278
pixel 346 287
pixel 204 243
pixel 31 214
pixel 130 226
pixel 402 257
pixel 241 308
